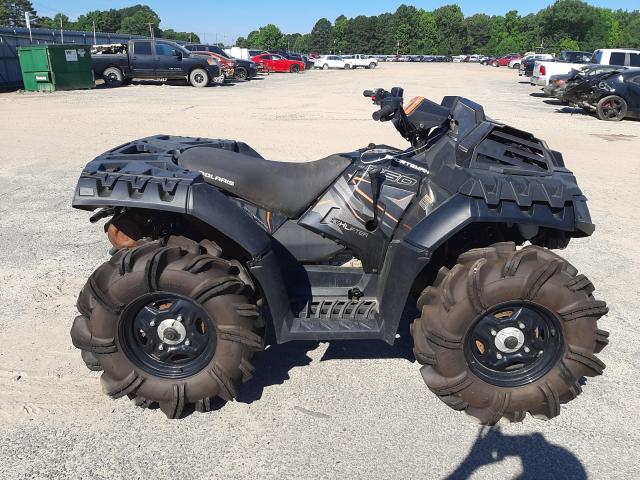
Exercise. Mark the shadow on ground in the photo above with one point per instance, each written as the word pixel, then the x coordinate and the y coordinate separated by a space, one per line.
pixel 277 360
pixel 539 458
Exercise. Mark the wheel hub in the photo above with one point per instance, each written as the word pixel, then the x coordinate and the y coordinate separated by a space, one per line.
pixel 171 331
pixel 509 340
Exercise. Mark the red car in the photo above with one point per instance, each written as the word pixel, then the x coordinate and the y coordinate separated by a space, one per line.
pixel 504 61
pixel 227 65
pixel 277 63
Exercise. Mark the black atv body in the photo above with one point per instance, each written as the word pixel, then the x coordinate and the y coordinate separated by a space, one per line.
pixel 331 249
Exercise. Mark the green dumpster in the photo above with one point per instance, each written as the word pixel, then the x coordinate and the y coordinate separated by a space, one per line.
pixel 47 68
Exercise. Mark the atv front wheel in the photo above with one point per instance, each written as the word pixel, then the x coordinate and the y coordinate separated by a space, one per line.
pixel 507 331
pixel 611 108
pixel 170 323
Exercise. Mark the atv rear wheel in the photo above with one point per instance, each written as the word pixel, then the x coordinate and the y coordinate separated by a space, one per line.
pixel 169 323
pixel 611 108
pixel 507 331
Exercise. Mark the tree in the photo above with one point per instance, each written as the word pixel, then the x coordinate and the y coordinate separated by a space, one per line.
pixel 12 13
pixel 321 40
pixel 452 34
pixel 55 22
pixel 267 37
pixel 171 34
pixel 140 22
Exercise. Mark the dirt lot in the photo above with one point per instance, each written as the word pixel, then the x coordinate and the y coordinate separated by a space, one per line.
pixel 333 410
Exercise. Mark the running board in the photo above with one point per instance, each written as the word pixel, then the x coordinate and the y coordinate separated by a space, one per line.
pixel 335 318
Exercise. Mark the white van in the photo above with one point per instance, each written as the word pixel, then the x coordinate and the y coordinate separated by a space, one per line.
pixel 624 57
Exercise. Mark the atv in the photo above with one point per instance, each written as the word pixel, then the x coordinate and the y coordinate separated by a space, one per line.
pixel 210 241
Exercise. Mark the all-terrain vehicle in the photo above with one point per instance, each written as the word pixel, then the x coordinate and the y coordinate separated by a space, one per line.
pixel 209 239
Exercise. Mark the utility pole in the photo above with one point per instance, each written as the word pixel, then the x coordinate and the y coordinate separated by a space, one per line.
pixel 398 48
pixel 28 20
pixel 95 42
pixel 61 31
pixel 151 29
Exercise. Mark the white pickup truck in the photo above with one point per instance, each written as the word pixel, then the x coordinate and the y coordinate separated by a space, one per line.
pixel 365 61
pixel 542 71
pixel 567 61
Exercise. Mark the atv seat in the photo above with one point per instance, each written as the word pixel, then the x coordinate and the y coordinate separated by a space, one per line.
pixel 285 187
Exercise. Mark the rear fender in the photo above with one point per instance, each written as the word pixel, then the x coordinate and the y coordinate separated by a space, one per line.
pixel 207 204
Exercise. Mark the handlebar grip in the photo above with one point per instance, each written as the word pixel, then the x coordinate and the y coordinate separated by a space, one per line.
pixel 383 112
pixel 368 93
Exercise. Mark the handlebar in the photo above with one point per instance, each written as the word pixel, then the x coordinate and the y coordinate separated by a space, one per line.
pixel 385 111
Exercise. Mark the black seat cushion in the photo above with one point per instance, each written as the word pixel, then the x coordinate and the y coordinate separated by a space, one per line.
pixel 286 187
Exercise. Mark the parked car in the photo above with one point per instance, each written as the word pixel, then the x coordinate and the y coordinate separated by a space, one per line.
pixel 623 57
pixel 153 59
pixel 559 83
pixel 486 60
pixel 612 95
pixel 332 61
pixel 244 69
pixel 528 62
pixel 278 63
pixel 504 60
pixel 228 66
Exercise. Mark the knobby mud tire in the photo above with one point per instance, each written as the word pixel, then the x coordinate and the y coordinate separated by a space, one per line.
pixel 486 277
pixel 179 266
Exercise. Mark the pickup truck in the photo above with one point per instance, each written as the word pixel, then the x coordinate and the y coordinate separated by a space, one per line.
pixel 153 59
pixel 567 61
pixel 364 61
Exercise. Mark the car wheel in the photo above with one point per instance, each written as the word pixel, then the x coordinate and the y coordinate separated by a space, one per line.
pixel 294 68
pixel 113 77
pixel 495 64
pixel 372 65
pixel 241 73
pixel 347 66
pixel 199 78
pixel 325 67
pixel 611 108
pixel 516 65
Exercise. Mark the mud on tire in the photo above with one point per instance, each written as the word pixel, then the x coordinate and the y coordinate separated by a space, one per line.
pixel 220 293
pixel 494 283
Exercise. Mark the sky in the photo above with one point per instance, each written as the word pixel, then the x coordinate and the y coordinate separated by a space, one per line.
pixel 226 20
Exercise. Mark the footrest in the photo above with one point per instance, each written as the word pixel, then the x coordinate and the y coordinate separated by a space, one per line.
pixel 335 318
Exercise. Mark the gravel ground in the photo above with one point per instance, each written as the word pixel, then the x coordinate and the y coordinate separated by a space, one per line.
pixel 328 410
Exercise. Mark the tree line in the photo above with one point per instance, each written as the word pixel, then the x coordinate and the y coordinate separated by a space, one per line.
pixel 564 25
pixel 136 20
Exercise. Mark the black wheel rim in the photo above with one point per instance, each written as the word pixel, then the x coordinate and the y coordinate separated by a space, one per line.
pixel 514 344
pixel 198 78
pixel 241 74
pixel 612 108
pixel 167 335
pixel 112 77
